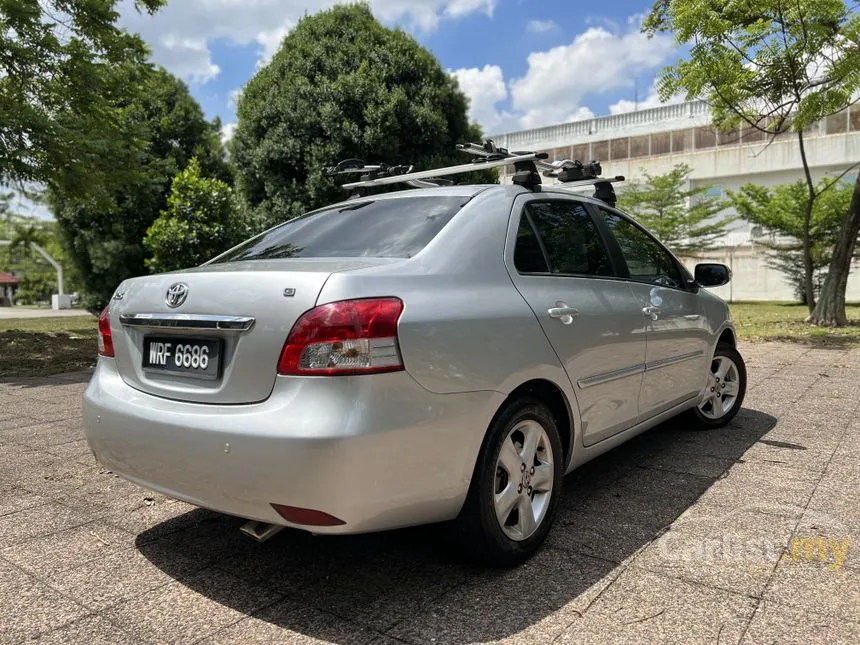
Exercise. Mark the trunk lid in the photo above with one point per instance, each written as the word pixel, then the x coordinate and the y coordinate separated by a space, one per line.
pixel 241 313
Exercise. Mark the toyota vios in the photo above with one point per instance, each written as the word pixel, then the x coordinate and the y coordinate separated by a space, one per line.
pixel 420 356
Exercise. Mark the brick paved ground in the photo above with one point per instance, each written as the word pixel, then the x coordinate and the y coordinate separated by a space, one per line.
pixel 678 536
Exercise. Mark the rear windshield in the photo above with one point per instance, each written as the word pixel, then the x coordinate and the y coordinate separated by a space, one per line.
pixel 387 228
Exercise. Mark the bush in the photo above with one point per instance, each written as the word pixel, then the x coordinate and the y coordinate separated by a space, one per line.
pixel 36 288
pixel 202 220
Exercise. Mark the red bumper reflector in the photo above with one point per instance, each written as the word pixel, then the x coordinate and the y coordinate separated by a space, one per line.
pixel 306 516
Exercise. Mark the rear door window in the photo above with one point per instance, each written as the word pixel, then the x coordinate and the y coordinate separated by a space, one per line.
pixel 570 243
pixel 395 228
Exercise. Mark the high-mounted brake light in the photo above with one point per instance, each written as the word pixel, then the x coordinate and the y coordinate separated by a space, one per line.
pixel 346 337
pixel 105 338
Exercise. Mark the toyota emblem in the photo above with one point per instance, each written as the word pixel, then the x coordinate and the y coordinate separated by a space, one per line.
pixel 176 295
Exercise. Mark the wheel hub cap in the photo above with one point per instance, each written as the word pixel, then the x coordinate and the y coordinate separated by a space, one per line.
pixel 721 392
pixel 524 478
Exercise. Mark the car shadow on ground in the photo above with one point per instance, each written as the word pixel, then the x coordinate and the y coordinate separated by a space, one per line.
pixel 53 380
pixel 412 580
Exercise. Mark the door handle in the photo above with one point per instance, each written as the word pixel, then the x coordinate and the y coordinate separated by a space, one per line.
pixel 652 311
pixel 563 312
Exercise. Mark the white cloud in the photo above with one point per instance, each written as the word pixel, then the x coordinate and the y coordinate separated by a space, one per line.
pixel 191 58
pixel 581 113
pixel 558 80
pixel 227 132
pixel 650 101
pixel 180 33
pixel 459 8
pixel 485 88
pixel 235 97
pixel 595 62
pixel 540 26
pixel 271 42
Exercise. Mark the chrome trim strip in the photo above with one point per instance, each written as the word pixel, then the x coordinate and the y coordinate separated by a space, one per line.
pixel 598 379
pixel 663 362
pixel 188 321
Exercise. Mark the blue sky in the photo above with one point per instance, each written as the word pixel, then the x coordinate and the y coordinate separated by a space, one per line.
pixel 523 63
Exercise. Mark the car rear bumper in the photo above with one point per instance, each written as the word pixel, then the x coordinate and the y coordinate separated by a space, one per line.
pixel 376 451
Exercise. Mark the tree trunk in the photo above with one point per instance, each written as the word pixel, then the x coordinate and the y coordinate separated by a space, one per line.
pixel 807 219
pixel 808 269
pixel 830 311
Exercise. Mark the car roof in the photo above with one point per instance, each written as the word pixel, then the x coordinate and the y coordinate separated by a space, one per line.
pixel 470 191
pixel 466 190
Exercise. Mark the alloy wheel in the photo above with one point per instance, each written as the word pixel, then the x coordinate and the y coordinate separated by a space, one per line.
pixel 721 392
pixel 524 478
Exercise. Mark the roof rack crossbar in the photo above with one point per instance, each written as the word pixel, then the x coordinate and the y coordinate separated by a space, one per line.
pixel 445 172
pixel 565 171
pixel 591 182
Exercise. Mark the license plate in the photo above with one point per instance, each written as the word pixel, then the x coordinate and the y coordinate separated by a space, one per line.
pixel 190 357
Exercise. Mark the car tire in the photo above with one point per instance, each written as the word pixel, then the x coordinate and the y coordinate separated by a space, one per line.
pixel 712 412
pixel 485 527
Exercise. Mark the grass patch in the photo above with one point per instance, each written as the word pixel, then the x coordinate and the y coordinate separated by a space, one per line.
pixel 785 322
pixel 44 346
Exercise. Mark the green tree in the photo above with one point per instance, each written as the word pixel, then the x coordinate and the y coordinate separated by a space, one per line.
pixel 781 211
pixel 776 66
pixel 342 86
pixel 21 258
pixel 105 239
pixel 201 221
pixel 36 288
pixel 67 70
pixel 6 212
pixel 684 219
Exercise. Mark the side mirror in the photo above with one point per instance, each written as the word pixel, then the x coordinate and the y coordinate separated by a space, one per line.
pixel 712 275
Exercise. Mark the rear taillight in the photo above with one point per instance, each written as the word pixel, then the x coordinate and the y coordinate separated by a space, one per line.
pixel 347 337
pixel 105 339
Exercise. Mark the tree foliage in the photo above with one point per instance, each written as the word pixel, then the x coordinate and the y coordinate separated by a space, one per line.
pixel 342 86
pixel 776 66
pixel 781 211
pixel 105 240
pixel 38 277
pixel 202 220
pixel 772 64
pixel 36 288
pixel 684 219
pixel 67 72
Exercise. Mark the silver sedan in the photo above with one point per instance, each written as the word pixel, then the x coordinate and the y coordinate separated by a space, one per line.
pixel 430 355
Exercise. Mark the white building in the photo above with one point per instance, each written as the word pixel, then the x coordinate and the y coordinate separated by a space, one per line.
pixel 656 139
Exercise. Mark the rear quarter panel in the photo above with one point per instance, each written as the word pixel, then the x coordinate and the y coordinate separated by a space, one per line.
pixel 464 326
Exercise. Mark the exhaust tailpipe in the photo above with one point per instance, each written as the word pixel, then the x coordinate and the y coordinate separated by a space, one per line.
pixel 261 531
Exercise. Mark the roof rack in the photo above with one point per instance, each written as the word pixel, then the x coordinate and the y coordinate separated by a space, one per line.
pixel 572 173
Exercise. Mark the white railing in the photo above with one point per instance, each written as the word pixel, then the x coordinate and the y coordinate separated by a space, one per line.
pixel 564 132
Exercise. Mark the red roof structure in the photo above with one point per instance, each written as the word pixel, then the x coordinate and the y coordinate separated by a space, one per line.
pixel 7 279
